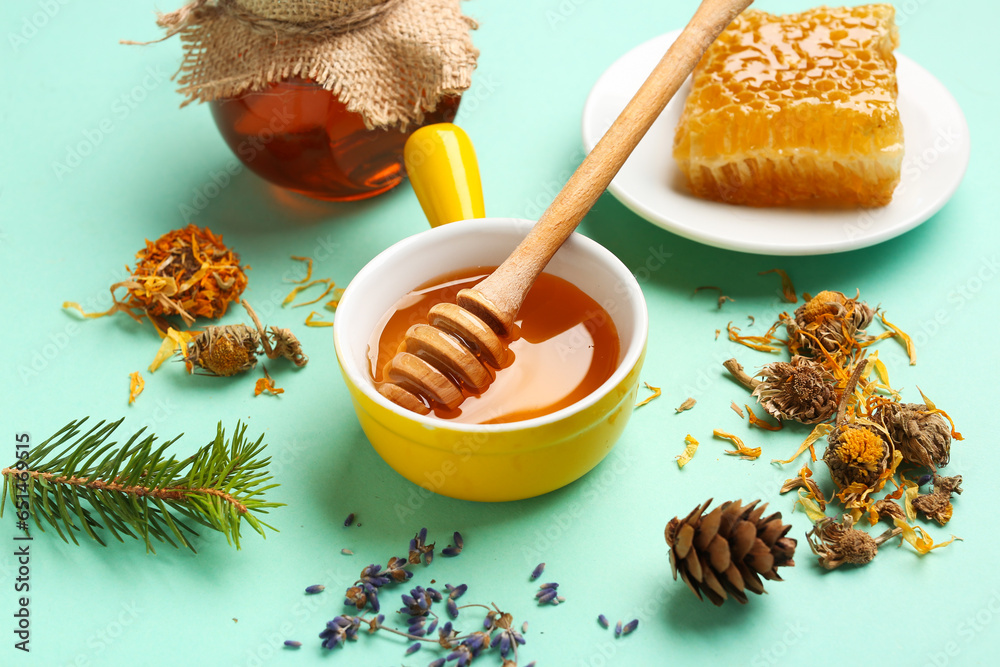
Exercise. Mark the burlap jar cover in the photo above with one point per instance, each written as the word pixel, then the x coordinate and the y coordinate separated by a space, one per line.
pixel 388 60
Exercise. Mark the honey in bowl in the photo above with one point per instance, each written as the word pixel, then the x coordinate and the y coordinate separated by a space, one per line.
pixel 564 346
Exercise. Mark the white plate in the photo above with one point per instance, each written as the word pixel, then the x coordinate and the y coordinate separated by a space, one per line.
pixel 937 153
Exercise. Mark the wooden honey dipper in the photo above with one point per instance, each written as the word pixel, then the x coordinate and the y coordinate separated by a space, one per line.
pixel 460 342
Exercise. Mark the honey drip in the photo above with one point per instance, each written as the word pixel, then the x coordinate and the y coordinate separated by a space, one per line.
pixel 297 135
pixel 564 346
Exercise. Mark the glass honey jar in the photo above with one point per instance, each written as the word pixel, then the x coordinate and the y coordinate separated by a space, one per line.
pixel 300 136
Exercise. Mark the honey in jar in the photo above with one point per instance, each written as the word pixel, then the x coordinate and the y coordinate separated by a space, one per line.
pixel 563 347
pixel 299 136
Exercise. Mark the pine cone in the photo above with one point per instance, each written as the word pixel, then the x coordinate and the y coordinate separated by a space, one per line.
pixel 722 553
pixel 802 390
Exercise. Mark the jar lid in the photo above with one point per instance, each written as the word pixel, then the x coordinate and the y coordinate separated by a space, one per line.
pixel 388 60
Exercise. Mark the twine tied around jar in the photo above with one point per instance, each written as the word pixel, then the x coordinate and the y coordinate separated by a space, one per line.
pixel 390 61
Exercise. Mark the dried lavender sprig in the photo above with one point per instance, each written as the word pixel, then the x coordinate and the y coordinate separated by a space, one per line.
pixel 537 572
pixel 315 588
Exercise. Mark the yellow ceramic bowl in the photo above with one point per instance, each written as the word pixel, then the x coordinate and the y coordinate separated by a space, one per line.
pixel 496 461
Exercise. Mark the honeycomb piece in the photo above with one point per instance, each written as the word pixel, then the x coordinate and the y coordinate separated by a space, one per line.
pixel 796 109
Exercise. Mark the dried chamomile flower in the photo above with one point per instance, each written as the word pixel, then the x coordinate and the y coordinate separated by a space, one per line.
pixel 725 553
pixel 801 389
pixel 224 350
pixel 839 543
pixel 937 504
pixel 921 435
pixel 831 321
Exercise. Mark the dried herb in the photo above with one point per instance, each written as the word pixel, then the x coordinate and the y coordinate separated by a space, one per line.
pixel 741 450
pixel 656 394
pixel 787 289
pixel 805 480
pixel 937 504
pixel 136 490
pixel 537 572
pixel 311 321
pixel 187 272
pixel 829 322
pixel 135 386
pixel 233 348
pixel 918 539
pixel 689 450
pixel 722 297
pixel 737 409
pixel 920 434
pixel 686 405
pixel 495 634
pixel 802 390
pixel 839 543
pixel 725 553
pixel 266 384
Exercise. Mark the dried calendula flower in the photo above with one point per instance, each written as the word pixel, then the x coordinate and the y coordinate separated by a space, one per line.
pixel 858 454
pixel 884 510
pixel 725 553
pixel 920 434
pixel 839 543
pixel 937 504
pixel 224 350
pixel 231 349
pixel 829 320
pixel 186 272
pixel 801 389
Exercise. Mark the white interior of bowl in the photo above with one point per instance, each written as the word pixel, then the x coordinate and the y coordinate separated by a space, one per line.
pixel 485 242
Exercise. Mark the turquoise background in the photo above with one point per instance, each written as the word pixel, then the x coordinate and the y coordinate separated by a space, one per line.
pixel 68 236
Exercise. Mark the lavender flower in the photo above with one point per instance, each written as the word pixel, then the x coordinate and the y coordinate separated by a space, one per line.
pixel 291 643
pixel 537 572
pixel 924 479
pixel 618 629
pixel 603 620
pixel 396 569
pixel 349 520
pixel 413 648
pixel 339 631
pixel 454 592
pixel 506 639
pixel 417 603
pixel 547 594
pixel 315 588
pixel 630 626
pixel 420 550
pixel 458 545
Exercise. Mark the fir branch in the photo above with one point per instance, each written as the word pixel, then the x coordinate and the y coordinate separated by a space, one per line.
pixel 87 484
